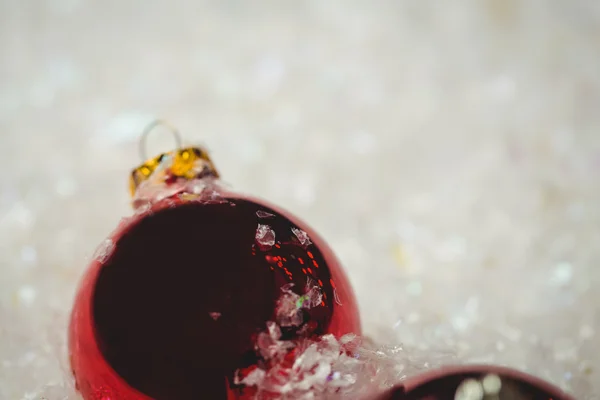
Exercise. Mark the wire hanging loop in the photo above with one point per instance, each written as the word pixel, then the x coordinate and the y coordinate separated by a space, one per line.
pixel 150 128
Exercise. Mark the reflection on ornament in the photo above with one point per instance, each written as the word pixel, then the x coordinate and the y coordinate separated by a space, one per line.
pixel 177 305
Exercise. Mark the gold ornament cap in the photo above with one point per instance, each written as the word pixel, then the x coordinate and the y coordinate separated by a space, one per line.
pixel 181 164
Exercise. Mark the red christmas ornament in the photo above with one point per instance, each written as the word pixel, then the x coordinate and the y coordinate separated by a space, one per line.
pixel 175 300
pixel 474 382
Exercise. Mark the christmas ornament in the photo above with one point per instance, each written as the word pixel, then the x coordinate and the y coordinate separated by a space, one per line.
pixel 182 300
pixel 475 382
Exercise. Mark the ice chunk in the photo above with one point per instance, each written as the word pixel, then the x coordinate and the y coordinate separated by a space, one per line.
pixel 327 368
pixel 287 288
pixel 104 250
pixel 314 297
pixel 264 214
pixel 273 329
pixel 265 236
pixel 255 377
pixel 268 344
pixel 302 237
pixel 288 310
pixel 290 304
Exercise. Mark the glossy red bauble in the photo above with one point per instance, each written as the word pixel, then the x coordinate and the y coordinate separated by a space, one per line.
pixel 173 304
pixel 474 382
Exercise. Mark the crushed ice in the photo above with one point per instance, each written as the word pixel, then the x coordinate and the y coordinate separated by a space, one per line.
pixel 301 236
pixel 348 367
pixel 264 214
pixel 325 367
pixel 287 311
pixel 265 236
pixel 104 250
pixel 290 304
pixel 313 295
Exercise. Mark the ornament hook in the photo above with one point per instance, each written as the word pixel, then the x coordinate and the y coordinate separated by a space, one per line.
pixel 149 128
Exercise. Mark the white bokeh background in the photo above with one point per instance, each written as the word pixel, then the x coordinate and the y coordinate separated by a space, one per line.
pixel 448 151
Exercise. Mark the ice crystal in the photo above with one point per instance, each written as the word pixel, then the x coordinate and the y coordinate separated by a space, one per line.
pixel 104 250
pixel 265 236
pixel 264 214
pixel 301 236
pixel 325 367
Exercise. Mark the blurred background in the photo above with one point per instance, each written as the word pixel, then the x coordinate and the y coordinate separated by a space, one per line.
pixel 448 151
